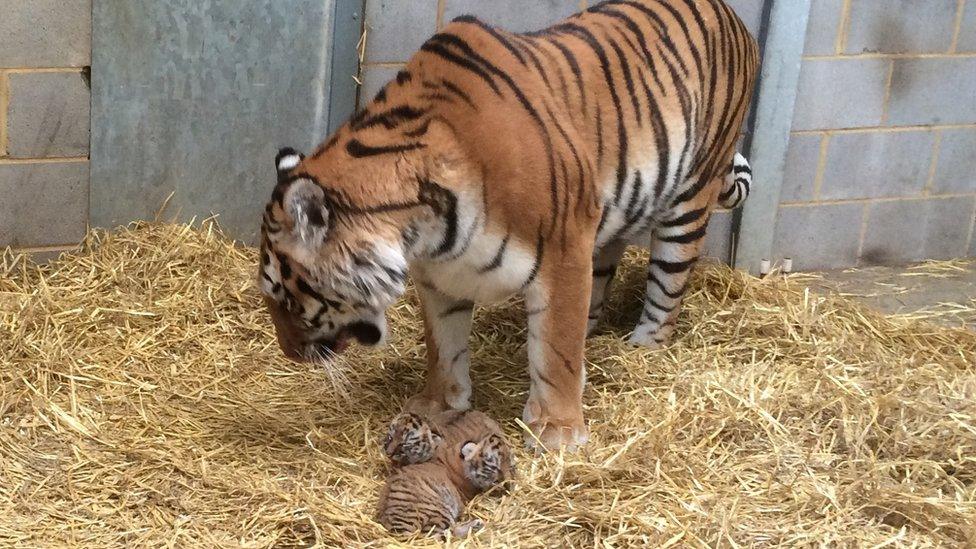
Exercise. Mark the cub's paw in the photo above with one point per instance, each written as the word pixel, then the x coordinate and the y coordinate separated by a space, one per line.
pixel 465 529
pixel 411 439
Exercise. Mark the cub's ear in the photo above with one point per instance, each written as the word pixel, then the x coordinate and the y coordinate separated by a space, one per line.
pixel 304 203
pixel 287 160
pixel 468 449
pixel 436 438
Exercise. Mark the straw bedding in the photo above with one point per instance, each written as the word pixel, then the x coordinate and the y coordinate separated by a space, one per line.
pixel 143 402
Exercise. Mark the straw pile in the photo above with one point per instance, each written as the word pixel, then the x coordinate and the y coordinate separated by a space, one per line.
pixel 143 402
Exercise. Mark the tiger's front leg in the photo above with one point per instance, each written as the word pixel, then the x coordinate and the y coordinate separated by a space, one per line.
pixel 556 306
pixel 447 324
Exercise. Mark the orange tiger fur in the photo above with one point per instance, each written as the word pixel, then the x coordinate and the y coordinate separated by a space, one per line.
pixel 500 163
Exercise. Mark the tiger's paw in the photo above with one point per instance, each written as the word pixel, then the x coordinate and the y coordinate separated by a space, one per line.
pixel 426 406
pixel 552 437
pixel 591 326
pixel 550 434
pixel 647 339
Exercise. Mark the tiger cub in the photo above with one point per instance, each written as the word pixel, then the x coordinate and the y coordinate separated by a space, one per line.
pixel 429 495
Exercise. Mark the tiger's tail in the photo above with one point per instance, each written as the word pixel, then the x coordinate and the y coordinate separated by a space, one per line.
pixel 737 185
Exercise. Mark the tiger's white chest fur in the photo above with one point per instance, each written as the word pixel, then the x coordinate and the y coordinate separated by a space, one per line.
pixel 483 265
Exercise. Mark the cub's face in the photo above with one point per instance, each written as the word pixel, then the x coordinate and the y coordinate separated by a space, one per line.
pixel 327 274
pixel 411 439
pixel 488 462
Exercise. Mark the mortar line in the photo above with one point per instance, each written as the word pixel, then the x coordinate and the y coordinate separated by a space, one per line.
pixel 27 70
pixel 52 160
pixel 887 94
pixel 943 55
pixel 821 165
pixel 441 5
pixel 880 199
pixel 385 65
pixel 840 42
pixel 4 106
pixel 891 129
pixel 865 215
pixel 960 8
pixel 933 165
pixel 51 248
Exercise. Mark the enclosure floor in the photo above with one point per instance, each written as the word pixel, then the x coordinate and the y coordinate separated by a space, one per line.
pixel 944 292
pixel 144 403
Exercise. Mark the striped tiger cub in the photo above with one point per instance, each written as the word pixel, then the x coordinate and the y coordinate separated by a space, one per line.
pixel 430 494
pixel 498 163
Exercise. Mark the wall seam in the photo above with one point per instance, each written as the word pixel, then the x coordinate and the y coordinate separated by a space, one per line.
pixel 934 163
pixel 4 106
pixel 840 43
pixel 930 55
pixel 960 8
pixel 43 160
pixel 821 165
pixel 878 199
pixel 972 231
pixel 865 216
pixel 385 65
pixel 441 6
pixel 28 70
pixel 886 100
pixel 888 129
pixel 50 248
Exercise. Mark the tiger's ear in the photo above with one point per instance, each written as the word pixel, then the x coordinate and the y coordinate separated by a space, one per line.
pixel 304 203
pixel 287 160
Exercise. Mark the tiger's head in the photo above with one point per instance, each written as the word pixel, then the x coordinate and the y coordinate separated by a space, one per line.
pixel 338 234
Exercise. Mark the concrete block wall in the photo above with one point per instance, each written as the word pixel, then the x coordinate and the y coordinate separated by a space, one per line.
pixel 395 29
pixel 882 159
pixel 45 51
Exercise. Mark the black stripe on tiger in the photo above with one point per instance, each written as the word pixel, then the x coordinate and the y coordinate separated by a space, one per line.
pixel 447 55
pixel 357 149
pixel 482 63
pixel 496 261
pixel 451 87
pixel 390 119
pixel 685 238
pixel 593 42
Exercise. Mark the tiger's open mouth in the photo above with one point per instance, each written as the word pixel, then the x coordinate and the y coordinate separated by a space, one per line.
pixel 364 333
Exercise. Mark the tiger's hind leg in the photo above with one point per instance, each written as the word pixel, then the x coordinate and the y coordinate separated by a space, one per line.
pixel 676 244
pixel 447 324
pixel 605 263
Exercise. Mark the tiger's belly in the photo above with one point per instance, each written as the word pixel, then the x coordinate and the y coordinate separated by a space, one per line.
pixel 486 267
pixel 632 204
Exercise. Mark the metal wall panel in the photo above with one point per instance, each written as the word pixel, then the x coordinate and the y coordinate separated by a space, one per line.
pixel 193 97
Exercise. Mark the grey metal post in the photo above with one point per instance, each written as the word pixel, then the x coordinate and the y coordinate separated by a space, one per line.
pixel 782 53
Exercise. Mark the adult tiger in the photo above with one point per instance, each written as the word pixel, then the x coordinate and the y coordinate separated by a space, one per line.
pixel 499 163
